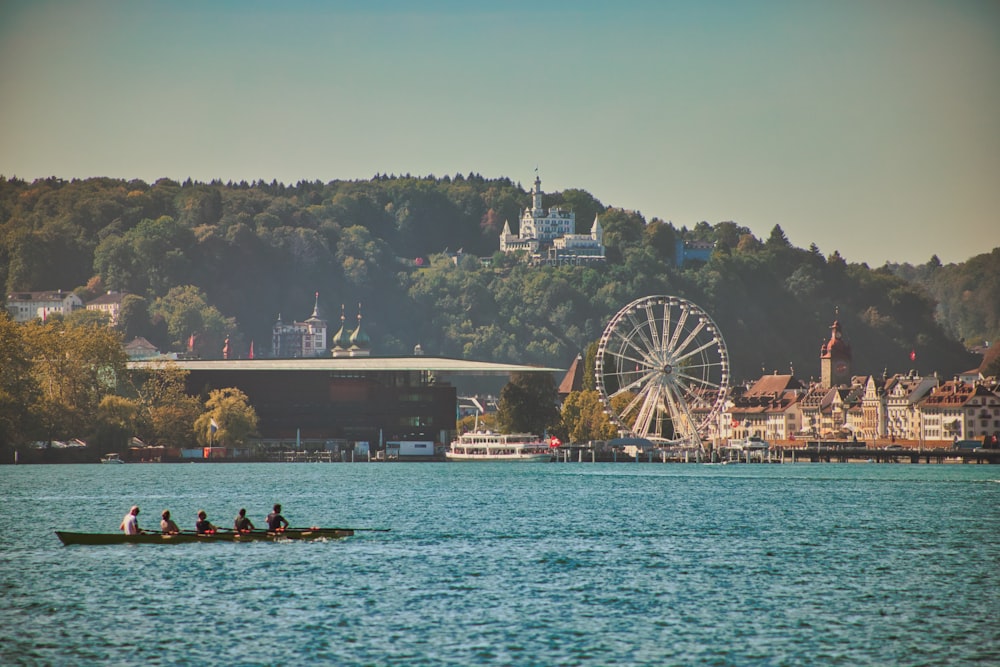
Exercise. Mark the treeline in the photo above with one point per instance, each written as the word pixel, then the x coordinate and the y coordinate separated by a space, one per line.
pixel 216 260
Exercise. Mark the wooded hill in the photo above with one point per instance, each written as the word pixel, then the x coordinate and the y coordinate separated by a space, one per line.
pixel 217 259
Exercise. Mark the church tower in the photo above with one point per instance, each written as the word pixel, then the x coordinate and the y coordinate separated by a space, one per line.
pixel 835 358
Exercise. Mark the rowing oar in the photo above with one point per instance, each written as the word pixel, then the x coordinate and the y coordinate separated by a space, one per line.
pixel 370 530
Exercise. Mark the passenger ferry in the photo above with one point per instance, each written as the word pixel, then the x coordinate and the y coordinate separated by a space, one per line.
pixel 489 446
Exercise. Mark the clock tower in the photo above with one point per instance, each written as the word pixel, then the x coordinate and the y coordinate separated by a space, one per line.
pixel 835 358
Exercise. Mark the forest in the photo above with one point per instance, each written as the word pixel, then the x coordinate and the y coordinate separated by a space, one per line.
pixel 417 258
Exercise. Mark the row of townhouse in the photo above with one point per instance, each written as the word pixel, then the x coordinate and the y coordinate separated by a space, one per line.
pixel 27 306
pixel 901 407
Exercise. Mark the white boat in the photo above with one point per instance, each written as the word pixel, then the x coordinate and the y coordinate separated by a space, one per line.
pixel 111 458
pixel 489 446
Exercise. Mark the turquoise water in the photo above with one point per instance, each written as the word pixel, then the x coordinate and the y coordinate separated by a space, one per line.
pixel 511 564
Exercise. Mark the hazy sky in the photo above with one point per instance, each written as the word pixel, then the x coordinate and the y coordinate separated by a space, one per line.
pixel 871 127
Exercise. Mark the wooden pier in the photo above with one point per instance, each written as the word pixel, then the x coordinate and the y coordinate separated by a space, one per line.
pixel 803 453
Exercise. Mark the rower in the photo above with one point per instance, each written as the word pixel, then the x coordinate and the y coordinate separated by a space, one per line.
pixel 130 524
pixel 203 526
pixel 275 522
pixel 167 525
pixel 241 524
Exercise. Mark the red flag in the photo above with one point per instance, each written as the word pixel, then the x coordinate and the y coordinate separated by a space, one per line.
pixel 913 355
pixel 191 343
pixel 225 349
pixel 554 442
pixel 251 348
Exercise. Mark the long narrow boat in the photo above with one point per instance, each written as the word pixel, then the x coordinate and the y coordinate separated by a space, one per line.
pixel 188 537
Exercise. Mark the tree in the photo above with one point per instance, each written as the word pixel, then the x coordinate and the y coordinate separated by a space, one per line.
pixel 528 404
pixel 229 419
pixel 133 317
pixel 75 368
pixel 166 413
pixel 19 389
pixel 584 418
pixel 116 422
pixel 186 311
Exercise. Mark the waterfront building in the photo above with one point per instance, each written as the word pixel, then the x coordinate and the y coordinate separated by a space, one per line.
pixel 27 306
pixel 300 339
pixel 768 409
pixel 313 402
pixel 902 396
pixel 958 410
pixel 549 236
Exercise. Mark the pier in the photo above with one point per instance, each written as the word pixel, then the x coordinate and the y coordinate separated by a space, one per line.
pixel 809 452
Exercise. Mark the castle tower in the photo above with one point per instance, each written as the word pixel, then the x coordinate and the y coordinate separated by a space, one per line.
pixel 835 358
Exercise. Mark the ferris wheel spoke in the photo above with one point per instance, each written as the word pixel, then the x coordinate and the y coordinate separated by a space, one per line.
pixel 628 342
pixel 654 336
pixel 620 357
pixel 667 322
pixel 631 386
pixel 692 337
pixel 631 408
pixel 701 348
pixel 701 382
pixel 681 321
pixel 647 411
pixel 640 328
pixel 680 407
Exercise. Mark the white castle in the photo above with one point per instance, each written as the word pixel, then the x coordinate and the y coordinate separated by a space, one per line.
pixel 553 233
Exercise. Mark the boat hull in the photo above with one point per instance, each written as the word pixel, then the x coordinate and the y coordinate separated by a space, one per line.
pixel 69 538
pixel 457 456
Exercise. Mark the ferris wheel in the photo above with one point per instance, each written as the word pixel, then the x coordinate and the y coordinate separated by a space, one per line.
pixel 663 370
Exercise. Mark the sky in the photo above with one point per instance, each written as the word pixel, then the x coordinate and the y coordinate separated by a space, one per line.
pixel 867 127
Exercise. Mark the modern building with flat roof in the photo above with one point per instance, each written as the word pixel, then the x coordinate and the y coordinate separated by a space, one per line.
pixel 371 399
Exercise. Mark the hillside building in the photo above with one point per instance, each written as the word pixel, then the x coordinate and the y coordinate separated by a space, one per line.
pixel 27 306
pixel 549 236
pixel 109 303
pixel 300 339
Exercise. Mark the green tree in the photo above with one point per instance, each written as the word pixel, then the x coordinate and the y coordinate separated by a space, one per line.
pixel 166 413
pixel 19 389
pixel 228 420
pixel 186 311
pixel 583 418
pixel 75 367
pixel 116 424
pixel 528 404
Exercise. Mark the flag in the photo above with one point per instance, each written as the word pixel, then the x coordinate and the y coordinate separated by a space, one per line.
pixel 213 427
pixel 225 349
pixel 913 355
pixel 191 343
pixel 251 348
pixel 555 442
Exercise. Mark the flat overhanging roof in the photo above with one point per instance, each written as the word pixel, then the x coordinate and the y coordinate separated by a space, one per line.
pixel 348 365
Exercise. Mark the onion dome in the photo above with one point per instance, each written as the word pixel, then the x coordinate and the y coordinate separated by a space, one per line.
pixel 342 339
pixel 359 339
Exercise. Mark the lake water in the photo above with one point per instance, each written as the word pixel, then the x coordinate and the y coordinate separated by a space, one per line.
pixel 510 564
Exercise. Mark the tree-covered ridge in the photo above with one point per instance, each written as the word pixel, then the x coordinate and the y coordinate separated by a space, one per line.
pixel 226 259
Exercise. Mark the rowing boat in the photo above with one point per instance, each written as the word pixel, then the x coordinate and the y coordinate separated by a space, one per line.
pixel 68 538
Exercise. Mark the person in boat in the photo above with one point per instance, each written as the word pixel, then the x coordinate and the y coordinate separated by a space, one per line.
pixel 167 525
pixel 275 522
pixel 241 524
pixel 203 526
pixel 130 524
